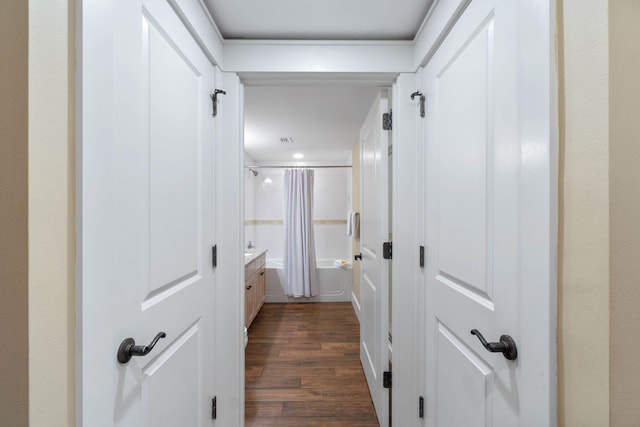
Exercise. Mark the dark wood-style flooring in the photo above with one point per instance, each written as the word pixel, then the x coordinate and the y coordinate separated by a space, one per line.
pixel 303 368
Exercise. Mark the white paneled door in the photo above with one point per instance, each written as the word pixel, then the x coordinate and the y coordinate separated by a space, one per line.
pixel 473 266
pixel 374 231
pixel 159 191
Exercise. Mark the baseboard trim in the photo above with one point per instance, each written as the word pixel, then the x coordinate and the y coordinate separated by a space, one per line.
pixel 356 305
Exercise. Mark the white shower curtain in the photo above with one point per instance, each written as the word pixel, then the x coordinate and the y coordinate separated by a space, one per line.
pixel 300 252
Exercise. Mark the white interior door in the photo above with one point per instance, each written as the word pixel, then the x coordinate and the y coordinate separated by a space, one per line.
pixel 408 277
pixel 374 279
pixel 474 166
pixel 229 232
pixel 158 183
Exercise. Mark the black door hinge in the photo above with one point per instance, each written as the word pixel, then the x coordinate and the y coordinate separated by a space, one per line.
pixel 214 101
pixel 386 379
pixel 421 256
pixel 387 121
pixel 214 408
pixel 422 98
pixel 421 407
pixel 214 256
pixel 387 251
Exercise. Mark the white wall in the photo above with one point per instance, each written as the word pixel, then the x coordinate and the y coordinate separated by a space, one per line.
pixel 331 204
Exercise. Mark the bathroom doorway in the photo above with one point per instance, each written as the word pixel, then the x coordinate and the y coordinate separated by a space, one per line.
pixel 318 121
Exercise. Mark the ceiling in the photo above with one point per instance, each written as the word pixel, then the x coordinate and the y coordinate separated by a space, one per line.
pixel 323 122
pixel 321 114
pixel 319 19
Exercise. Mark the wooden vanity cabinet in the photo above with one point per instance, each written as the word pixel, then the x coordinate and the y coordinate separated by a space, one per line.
pixel 254 288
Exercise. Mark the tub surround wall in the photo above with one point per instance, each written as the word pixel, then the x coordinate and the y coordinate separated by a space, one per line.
pixel 249 202
pixel 331 205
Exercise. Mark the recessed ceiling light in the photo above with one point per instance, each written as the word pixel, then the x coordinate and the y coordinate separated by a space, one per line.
pixel 298 156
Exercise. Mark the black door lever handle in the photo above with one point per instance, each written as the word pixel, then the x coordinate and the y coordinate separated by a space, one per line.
pixel 128 348
pixel 506 346
pixel 357 257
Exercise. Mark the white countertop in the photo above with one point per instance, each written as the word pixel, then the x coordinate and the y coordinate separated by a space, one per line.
pixel 254 253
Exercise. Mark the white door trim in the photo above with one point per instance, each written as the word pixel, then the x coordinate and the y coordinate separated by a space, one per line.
pixel 230 305
pixel 94 157
pixel 538 100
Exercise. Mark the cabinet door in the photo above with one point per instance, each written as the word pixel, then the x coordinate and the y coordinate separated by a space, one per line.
pixel 248 300
pixel 260 291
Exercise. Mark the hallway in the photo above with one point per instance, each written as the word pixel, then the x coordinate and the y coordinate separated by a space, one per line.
pixel 303 368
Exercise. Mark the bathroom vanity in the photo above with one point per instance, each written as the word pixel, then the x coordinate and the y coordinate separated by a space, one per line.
pixel 255 283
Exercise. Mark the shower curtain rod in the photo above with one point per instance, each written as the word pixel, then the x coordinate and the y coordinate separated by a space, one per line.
pixel 296 167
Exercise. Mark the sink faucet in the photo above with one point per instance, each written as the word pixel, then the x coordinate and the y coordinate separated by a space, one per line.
pixel 250 245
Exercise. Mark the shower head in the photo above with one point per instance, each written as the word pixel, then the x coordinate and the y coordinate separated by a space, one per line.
pixel 254 172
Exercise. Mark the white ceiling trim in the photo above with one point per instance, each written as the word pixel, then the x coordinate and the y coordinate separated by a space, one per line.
pixel 402 56
pixel 318 79
pixel 320 42
pixel 319 57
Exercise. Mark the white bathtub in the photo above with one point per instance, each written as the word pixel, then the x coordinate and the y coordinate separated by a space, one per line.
pixel 334 283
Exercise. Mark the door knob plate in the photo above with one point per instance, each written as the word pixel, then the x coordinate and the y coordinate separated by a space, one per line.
pixel 124 351
pixel 506 346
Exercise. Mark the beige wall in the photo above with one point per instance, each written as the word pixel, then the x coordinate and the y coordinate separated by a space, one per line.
pixel 14 357
pixel 624 167
pixel 51 207
pixel 355 206
pixel 583 322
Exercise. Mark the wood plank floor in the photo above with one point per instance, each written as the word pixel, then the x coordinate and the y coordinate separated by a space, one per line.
pixel 303 368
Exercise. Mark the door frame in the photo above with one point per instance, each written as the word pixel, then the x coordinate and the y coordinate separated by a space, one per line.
pixel 539 132
pixel 537 67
